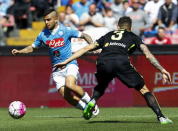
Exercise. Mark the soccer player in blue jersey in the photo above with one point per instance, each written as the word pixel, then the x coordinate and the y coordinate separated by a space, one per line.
pixel 56 37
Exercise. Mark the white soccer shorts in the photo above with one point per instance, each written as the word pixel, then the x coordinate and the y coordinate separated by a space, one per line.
pixel 59 75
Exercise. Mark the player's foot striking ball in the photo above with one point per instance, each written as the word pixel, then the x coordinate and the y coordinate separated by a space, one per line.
pixel 87 113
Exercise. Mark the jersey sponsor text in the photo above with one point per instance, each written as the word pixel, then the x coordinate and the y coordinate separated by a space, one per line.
pixel 118 44
pixel 59 42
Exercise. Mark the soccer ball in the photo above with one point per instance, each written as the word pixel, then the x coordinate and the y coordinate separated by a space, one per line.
pixel 17 109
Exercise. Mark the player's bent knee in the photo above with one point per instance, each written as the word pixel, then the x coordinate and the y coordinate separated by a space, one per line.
pixel 138 86
pixel 70 86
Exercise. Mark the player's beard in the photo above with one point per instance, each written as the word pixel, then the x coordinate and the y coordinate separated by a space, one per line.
pixel 50 27
pixel 53 26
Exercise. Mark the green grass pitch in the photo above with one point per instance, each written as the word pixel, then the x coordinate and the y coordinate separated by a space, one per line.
pixel 70 119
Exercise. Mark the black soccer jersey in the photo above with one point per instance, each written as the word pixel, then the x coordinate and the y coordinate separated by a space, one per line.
pixel 118 43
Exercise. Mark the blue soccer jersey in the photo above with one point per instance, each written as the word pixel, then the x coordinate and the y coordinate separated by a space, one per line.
pixel 58 42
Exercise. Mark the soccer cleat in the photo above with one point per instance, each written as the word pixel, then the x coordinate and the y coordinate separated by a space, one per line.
pixel 95 111
pixel 87 113
pixel 164 120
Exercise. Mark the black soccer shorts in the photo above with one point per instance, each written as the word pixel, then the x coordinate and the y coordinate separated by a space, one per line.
pixel 124 71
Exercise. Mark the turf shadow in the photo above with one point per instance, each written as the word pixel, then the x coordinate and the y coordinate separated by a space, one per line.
pixel 91 122
pixel 68 117
pixel 56 117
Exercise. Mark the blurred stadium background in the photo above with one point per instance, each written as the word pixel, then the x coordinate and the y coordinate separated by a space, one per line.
pixel 27 78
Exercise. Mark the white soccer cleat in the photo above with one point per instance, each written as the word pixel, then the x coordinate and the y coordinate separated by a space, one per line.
pixel 96 111
pixel 164 120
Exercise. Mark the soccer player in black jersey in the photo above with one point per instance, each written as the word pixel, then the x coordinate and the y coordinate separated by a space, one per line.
pixel 113 61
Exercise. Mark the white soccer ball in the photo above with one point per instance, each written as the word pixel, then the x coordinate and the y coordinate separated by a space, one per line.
pixel 17 109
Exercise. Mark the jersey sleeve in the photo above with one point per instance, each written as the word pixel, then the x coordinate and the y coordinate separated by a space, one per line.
pixel 100 42
pixel 38 42
pixel 138 41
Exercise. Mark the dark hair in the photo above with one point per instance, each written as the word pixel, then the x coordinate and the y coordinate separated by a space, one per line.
pixel 125 1
pixel 161 27
pixel 48 11
pixel 68 5
pixel 107 9
pixel 125 20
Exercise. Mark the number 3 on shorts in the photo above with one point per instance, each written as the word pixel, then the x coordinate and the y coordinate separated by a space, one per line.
pixel 117 35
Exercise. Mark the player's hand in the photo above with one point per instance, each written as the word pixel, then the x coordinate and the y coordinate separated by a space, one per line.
pixel 15 51
pixel 166 76
pixel 61 65
pixel 97 51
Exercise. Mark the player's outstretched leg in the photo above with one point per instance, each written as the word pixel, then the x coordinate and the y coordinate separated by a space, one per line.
pixel 153 104
pixel 79 103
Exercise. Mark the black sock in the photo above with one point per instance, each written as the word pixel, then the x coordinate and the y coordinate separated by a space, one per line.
pixel 153 104
pixel 96 95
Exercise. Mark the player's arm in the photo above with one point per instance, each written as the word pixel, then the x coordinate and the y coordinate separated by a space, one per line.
pixel 155 63
pixel 36 44
pixel 87 38
pixel 25 50
pixel 77 54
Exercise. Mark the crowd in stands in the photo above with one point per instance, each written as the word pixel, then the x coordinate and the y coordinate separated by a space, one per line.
pixel 151 18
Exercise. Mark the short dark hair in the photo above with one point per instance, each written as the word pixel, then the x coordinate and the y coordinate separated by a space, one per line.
pixel 125 20
pixel 68 5
pixel 108 9
pixel 48 11
pixel 161 27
